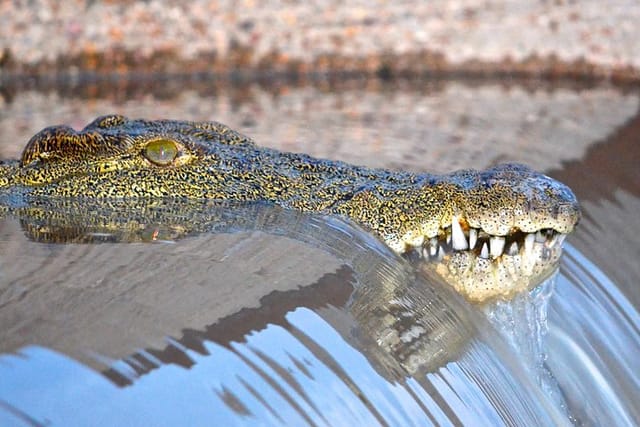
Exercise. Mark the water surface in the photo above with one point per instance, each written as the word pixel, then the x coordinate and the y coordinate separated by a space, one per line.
pixel 307 320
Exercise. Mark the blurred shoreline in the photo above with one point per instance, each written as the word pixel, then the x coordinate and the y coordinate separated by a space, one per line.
pixel 319 39
pixel 124 66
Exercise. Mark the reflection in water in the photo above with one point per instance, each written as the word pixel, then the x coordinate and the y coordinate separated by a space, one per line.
pixel 370 342
pixel 423 126
pixel 316 322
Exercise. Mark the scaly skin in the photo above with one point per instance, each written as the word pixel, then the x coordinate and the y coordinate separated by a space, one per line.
pixel 114 157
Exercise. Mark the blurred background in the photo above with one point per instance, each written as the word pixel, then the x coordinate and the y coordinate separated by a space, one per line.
pixel 544 38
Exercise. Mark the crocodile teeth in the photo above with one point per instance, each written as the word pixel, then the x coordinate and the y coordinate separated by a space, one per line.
pixel 433 246
pixel 513 249
pixel 484 253
pixel 459 240
pixel 496 246
pixel 473 237
pixel 540 238
pixel 528 244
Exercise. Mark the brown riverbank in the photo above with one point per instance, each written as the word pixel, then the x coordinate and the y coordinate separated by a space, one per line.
pixel 555 40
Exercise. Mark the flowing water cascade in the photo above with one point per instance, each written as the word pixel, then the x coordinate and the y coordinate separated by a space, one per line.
pixel 522 321
pixel 579 337
pixel 593 345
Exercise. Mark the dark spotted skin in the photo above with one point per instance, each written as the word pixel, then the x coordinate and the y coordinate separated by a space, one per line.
pixel 140 162
pixel 107 159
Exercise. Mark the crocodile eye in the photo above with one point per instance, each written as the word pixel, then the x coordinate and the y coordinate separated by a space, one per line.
pixel 161 152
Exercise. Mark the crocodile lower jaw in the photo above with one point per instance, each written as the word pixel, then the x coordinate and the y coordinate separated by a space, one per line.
pixel 483 267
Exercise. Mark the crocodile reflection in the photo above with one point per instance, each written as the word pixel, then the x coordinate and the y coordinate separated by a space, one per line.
pixel 403 324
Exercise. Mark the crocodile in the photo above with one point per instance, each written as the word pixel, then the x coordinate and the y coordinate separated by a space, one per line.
pixel 488 233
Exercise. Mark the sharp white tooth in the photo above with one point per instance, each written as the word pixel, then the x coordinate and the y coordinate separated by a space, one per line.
pixel 459 241
pixel 448 237
pixel 540 238
pixel 484 253
pixel 513 249
pixel 552 241
pixel 528 244
pixel 496 246
pixel 433 246
pixel 473 237
pixel 440 252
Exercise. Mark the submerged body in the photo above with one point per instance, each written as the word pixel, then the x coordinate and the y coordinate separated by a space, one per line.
pixel 481 217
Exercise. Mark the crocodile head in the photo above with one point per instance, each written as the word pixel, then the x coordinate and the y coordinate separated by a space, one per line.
pixel 488 233
pixel 503 231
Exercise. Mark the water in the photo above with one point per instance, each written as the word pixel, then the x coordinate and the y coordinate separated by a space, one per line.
pixel 275 318
pixel 278 368
pixel 523 322
pixel 579 339
pixel 596 348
